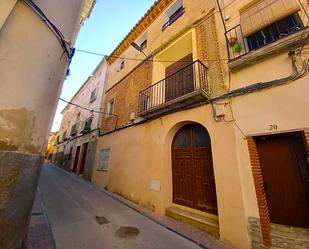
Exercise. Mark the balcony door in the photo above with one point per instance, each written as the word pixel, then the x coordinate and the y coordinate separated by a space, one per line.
pixel 179 78
pixel 193 176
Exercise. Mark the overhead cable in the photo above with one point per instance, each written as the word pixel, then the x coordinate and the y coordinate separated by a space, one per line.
pixel 87 109
pixel 136 59
pixel 69 52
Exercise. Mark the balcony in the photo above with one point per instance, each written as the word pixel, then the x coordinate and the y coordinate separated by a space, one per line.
pixel 281 36
pixel 73 130
pixel 86 126
pixel 181 89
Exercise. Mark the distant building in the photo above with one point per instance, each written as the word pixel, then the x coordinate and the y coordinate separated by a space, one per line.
pixel 80 128
pixel 51 146
pixel 212 127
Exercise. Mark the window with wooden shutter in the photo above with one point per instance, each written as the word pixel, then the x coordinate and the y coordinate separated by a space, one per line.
pixel 260 13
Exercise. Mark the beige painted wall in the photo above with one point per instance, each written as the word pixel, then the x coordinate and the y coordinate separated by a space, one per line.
pixel 32 69
pixel 194 10
pixel 146 156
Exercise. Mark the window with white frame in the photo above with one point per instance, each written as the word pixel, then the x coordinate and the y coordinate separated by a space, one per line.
pixel 173 13
pixel 93 95
pixel 142 41
pixel 120 65
pixel 104 159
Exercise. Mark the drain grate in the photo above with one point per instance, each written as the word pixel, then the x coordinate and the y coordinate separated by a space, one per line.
pixel 101 220
pixel 127 232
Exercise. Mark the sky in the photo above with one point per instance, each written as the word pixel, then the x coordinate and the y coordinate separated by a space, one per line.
pixel 109 23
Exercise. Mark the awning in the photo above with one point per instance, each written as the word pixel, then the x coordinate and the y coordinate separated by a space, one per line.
pixel 260 13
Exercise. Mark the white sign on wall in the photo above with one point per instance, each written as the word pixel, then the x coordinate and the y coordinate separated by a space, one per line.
pixel 155 185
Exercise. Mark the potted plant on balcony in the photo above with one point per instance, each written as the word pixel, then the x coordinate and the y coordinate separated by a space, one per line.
pixel 237 47
pixel 232 41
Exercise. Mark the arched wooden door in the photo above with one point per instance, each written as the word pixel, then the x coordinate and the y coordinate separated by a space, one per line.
pixel 193 176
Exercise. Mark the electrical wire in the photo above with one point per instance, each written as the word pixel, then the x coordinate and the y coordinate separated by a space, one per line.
pixel 136 59
pixel 87 109
pixel 52 27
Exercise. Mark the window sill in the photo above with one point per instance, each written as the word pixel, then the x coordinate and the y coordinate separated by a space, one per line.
pixel 104 170
pixel 283 45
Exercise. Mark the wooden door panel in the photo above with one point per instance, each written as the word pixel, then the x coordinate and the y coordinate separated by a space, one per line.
pixel 280 160
pixel 205 182
pixel 182 179
pixel 193 177
pixel 182 82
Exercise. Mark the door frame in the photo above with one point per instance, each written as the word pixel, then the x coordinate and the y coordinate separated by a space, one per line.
pixel 192 148
pixel 258 179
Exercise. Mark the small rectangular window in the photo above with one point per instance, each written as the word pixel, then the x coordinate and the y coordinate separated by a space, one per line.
pixel 141 42
pixel 111 104
pixel 173 13
pixel 143 45
pixel 64 135
pixel 93 95
pixel 121 65
pixel 104 159
pixel 73 130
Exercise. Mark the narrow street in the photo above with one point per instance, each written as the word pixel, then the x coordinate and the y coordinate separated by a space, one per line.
pixel 73 204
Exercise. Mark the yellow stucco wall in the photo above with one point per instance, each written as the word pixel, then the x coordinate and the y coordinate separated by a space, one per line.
pixel 143 153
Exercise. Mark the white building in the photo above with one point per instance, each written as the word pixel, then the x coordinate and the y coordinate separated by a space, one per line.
pixel 80 125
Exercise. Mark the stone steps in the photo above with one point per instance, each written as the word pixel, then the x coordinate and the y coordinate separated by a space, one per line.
pixel 207 222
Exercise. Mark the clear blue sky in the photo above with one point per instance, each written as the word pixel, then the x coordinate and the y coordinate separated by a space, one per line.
pixel 109 22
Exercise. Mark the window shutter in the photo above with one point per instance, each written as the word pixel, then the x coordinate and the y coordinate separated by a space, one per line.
pixel 260 13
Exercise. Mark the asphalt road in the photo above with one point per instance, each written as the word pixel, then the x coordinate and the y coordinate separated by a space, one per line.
pixel 72 205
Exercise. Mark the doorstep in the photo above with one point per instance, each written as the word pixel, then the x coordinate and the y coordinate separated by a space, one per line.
pixel 204 221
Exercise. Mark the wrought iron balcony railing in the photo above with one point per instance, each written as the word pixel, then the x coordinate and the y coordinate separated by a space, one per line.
pixel 238 45
pixel 176 87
